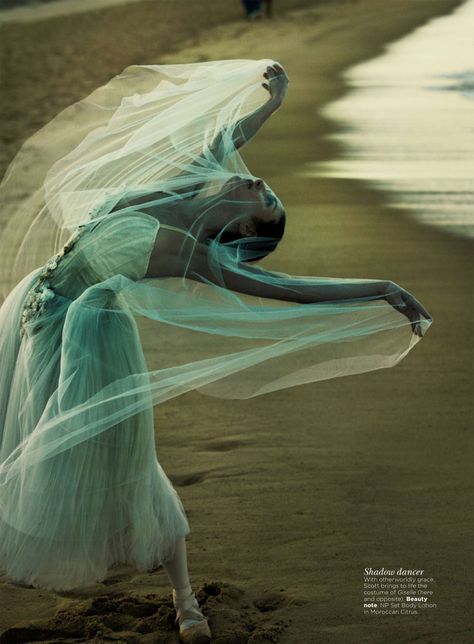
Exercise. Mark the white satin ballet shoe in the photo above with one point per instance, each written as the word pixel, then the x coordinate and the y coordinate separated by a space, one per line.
pixel 193 626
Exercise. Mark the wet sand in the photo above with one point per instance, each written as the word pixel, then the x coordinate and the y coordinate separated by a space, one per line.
pixel 292 494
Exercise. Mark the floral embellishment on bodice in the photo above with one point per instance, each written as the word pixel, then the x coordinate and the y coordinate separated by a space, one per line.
pixel 41 292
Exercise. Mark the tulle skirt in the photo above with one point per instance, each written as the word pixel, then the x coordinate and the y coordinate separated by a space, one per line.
pixel 70 509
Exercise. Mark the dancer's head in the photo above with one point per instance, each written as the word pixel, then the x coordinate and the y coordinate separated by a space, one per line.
pixel 251 217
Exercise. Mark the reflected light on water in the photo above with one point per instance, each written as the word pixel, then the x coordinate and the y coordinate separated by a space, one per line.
pixel 408 123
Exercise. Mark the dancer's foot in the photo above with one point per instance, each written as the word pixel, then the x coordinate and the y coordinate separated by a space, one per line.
pixel 193 626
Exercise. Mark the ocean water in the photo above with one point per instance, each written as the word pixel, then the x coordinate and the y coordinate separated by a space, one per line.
pixel 407 123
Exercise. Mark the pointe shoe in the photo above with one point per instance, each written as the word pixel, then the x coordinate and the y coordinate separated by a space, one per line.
pixel 193 626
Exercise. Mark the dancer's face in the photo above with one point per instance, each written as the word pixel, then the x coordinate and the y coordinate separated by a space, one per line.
pixel 251 199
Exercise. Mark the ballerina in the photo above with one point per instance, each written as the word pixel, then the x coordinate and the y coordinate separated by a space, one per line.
pixel 151 213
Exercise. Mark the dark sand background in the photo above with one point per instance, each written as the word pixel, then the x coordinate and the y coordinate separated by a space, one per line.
pixel 292 494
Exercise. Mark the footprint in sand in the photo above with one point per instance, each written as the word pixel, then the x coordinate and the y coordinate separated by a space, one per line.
pixel 225 445
pixel 180 480
pixel 183 480
pixel 236 616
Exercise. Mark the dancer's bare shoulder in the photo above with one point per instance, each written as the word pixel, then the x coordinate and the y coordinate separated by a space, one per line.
pixel 169 251
pixel 177 255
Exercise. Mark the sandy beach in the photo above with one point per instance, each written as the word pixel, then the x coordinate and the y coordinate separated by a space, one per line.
pixel 292 494
pixel 54 8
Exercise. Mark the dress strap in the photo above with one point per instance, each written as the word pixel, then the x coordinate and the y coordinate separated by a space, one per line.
pixel 179 230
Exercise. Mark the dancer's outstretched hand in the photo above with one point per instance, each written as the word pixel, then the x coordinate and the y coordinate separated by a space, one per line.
pixel 277 82
pixel 406 304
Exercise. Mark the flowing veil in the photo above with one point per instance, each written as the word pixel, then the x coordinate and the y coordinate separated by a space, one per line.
pixel 153 138
pixel 140 132
pixel 148 133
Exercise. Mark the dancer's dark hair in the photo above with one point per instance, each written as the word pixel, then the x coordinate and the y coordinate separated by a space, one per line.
pixel 268 235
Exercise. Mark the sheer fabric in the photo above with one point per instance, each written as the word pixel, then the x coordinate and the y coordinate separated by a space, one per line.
pixel 85 202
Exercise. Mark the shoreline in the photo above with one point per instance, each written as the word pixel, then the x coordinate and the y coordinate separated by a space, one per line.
pixel 306 492
pixel 409 106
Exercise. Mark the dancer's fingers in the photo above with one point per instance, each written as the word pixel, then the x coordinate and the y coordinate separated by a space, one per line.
pixel 279 69
pixel 273 70
pixel 418 309
pixel 419 306
pixel 406 304
pixel 396 300
pixel 411 314
pixel 415 318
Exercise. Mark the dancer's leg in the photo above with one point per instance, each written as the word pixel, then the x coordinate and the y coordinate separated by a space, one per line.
pixel 184 599
pixel 177 569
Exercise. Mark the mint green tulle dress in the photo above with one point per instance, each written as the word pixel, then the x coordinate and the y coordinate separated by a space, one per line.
pixel 83 206
pixel 78 496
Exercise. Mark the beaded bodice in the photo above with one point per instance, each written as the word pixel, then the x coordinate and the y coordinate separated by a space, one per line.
pixel 42 292
pixel 117 245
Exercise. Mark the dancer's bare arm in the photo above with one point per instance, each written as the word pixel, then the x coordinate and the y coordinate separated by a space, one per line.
pixel 177 256
pixel 276 83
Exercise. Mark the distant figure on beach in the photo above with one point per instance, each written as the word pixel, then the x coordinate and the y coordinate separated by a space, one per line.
pixel 253 8
pixel 133 206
